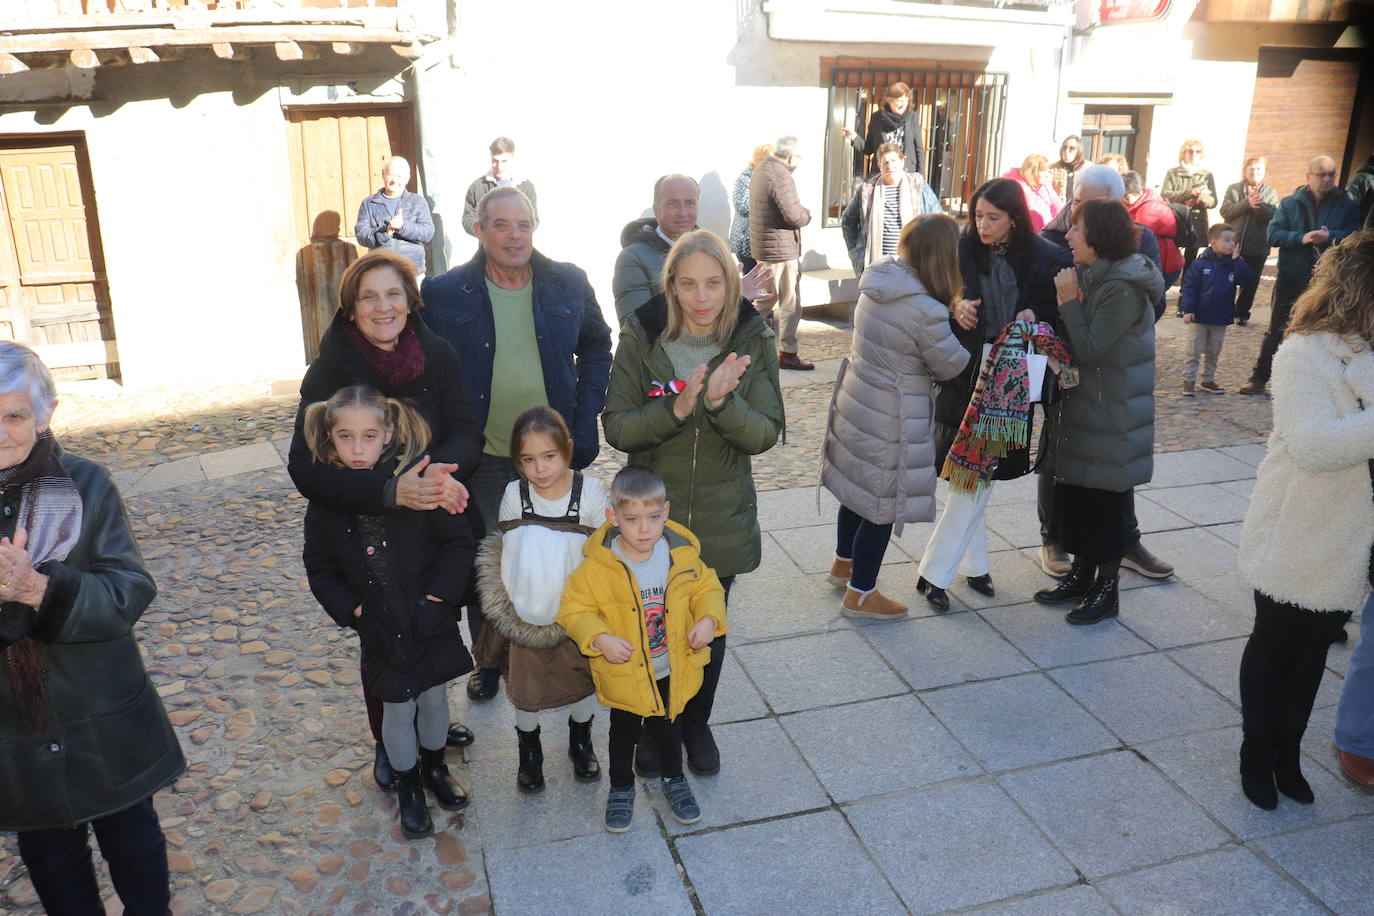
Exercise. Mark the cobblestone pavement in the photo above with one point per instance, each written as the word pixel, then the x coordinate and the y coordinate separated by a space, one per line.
pixel 278 812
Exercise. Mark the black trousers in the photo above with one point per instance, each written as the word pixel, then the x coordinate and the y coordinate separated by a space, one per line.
pixel 1044 506
pixel 1282 666
pixel 697 713
pixel 626 731
pixel 60 866
pixel 1246 300
pixel 1285 294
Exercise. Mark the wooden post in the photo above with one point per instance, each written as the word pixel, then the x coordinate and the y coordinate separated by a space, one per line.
pixel 85 58
pixel 143 56
pixel 11 64
pixel 346 48
pixel 290 50
pixel 226 51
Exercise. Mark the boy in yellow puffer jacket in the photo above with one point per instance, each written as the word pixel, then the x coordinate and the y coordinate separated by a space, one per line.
pixel 644 608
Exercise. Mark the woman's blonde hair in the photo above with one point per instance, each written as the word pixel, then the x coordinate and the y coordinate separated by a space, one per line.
pixel 409 431
pixel 761 152
pixel 1032 166
pixel 702 241
pixel 1192 142
pixel 1116 161
pixel 1339 299
pixel 929 245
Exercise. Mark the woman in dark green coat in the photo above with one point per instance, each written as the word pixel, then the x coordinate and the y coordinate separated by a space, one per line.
pixel 694 394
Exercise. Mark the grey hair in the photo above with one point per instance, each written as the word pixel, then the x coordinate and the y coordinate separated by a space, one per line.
pixel 389 167
pixel 1099 178
pixel 637 483
pixel 496 194
pixel 785 148
pixel 22 370
pixel 1132 183
pixel 664 179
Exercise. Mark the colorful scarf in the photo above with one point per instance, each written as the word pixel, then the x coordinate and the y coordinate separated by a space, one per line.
pixel 398 366
pixel 50 511
pixel 998 415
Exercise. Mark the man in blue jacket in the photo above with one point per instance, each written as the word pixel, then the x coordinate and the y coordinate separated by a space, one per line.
pixel 1309 221
pixel 396 218
pixel 528 331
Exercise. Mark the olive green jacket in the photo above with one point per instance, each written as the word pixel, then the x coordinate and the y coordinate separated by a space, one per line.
pixel 705 459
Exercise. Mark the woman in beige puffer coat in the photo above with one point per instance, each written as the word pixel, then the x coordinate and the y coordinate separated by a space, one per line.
pixel 879 460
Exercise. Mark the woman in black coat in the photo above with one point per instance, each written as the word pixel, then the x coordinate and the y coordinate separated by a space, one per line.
pixel 1008 274
pixel 895 121
pixel 373 341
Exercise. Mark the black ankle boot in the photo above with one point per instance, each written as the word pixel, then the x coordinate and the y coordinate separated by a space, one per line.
pixel 936 597
pixel 1257 771
pixel 410 803
pixel 382 772
pixel 1288 776
pixel 531 775
pixel 440 782
pixel 1102 601
pixel 1072 587
pixel 585 765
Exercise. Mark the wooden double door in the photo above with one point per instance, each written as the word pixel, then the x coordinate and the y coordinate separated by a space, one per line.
pixel 337 155
pixel 53 294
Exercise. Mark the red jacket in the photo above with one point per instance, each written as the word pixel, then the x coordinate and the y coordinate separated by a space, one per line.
pixel 1152 212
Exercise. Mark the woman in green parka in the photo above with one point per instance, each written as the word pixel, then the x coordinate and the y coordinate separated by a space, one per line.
pixel 694 394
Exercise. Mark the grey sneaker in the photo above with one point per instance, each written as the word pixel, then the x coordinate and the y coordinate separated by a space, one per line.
pixel 620 809
pixel 680 799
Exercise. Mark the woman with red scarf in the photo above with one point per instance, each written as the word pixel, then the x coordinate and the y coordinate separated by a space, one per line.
pixel 373 342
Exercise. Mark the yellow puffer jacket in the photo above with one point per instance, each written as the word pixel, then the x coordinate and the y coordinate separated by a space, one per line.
pixel 602 597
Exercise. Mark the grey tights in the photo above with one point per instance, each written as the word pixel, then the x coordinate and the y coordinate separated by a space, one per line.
pixel 426 715
pixel 581 711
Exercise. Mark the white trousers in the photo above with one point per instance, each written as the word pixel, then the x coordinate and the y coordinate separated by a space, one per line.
pixel 959 543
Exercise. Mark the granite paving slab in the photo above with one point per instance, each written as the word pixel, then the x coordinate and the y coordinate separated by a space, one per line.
pixel 796 507
pixel 736 697
pixel 1112 812
pixel 1018 721
pixel 602 873
pixel 902 747
pixel 1218 665
pixel 1145 697
pixel 1081 900
pixel 815 865
pixel 1172 614
pixel 229 462
pixel 1241 488
pixel 774 563
pixel 1205 767
pixel 1194 552
pixel 813 548
pixel 1186 468
pixel 1252 453
pixel 1151 516
pixel 950 649
pixel 1225 881
pixel 957 846
pixel 1229 590
pixel 1202 504
pixel 168 475
pixel 1017 523
pixel 1040 632
pixel 840 668
pixel 772 608
pixel 1229 532
pixel 1015 577
pixel 1332 861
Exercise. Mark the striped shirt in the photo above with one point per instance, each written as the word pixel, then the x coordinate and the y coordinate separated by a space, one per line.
pixel 892 217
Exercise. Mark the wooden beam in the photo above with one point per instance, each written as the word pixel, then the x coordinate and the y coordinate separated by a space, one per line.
pixel 345 48
pixel 11 64
pixel 225 51
pixel 157 38
pixel 409 52
pixel 85 58
pixel 143 56
pixel 290 50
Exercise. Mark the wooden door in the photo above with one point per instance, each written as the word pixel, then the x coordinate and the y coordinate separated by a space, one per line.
pixel 1302 107
pixel 53 294
pixel 1110 129
pixel 337 156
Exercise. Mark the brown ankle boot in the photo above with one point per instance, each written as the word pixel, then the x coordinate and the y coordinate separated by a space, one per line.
pixel 873 605
pixel 840 571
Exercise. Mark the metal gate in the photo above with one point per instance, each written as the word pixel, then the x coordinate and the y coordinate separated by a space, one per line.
pixel 960 112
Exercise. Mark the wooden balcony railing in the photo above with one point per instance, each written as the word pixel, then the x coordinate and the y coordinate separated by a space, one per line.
pixel 92 33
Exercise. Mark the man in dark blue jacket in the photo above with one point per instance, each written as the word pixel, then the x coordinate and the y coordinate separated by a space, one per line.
pixel 1309 221
pixel 396 218
pixel 528 331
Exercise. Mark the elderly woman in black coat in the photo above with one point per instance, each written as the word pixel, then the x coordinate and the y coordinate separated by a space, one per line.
pixel 74 691
pixel 373 341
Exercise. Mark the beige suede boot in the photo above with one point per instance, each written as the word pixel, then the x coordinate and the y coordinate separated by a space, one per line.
pixel 840 571
pixel 872 604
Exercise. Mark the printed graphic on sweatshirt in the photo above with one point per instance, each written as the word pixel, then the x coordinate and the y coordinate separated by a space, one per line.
pixel 655 623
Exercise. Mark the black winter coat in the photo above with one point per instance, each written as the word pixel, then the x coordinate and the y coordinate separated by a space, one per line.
pixel 409 643
pixel 1035 272
pixel 107 743
pixel 439 394
pixel 884 126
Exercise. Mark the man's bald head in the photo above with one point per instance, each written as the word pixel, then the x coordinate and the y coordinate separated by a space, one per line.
pixel 1321 175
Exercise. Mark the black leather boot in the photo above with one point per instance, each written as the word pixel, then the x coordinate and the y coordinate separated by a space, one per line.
pixel 1102 601
pixel 459 735
pixel 410 803
pixel 1072 587
pixel 382 772
pixel 647 764
pixel 531 775
pixel 482 684
pixel 440 782
pixel 1288 776
pixel 938 598
pixel 1257 771
pixel 585 765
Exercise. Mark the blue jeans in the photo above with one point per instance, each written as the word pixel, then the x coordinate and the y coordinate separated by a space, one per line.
pixel 1355 714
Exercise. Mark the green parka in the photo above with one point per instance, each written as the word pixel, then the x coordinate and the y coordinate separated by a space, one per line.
pixel 705 459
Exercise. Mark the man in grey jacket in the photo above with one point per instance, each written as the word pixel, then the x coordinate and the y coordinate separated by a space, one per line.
pixel 502 175
pixel 645 242
pixel 396 218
